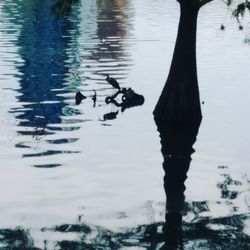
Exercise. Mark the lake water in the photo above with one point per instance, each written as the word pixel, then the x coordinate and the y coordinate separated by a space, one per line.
pixel 71 179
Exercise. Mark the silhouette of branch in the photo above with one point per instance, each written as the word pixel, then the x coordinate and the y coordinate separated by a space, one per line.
pixel 197 3
pixel 240 9
pixel 204 2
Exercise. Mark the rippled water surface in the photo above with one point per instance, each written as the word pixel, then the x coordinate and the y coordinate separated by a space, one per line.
pixel 73 179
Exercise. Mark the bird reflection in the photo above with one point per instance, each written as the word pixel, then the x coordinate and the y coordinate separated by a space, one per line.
pixel 129 99
pixel 110 115
pixel 177 140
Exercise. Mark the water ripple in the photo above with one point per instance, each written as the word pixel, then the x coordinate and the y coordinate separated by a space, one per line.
pixel 49 153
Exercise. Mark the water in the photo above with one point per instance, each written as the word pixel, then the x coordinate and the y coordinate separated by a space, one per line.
pixel 72 180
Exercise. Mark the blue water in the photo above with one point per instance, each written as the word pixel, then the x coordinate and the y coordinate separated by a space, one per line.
pixel 68 176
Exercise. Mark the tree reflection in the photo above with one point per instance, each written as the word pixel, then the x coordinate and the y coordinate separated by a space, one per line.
pixel 63 8
pixel 43 43
pixel 177 141
pixel 224 187
pixel 113 24
pixel 16 239
pixel 206 233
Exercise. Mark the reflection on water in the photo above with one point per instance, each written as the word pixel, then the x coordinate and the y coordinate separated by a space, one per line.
pixel 129 99
pixel 54 65
pixel 203 233
pixel 42 71
pixel 84 174
pixel 177 141
pixel 109 55
pixel 63 8
pixel 112 27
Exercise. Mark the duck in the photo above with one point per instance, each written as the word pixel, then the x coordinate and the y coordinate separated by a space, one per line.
pixel 112 81
pixel 79 97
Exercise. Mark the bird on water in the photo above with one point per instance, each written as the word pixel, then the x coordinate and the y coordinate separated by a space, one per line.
pixel 112 81
pixel 79 97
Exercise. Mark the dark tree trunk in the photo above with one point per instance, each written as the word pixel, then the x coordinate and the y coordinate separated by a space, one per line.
pixel 179 102
pixel 178 115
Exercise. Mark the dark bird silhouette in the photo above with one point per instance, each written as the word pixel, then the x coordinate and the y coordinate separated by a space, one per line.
pixel 110 116
pixel 222 27
pixel 112 81
pixel 94 97
pixel 129 99
pixel 79 97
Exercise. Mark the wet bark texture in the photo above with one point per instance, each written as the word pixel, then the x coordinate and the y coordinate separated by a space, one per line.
pixel 179 102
